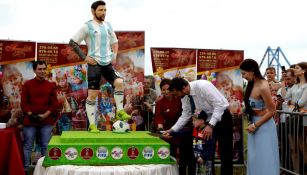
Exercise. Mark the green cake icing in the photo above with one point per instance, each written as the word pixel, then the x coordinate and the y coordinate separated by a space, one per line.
pixel 107 148
pixel 108 137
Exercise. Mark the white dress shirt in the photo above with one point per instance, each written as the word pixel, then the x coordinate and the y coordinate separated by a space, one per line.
pixel 298 94
pixel 207 98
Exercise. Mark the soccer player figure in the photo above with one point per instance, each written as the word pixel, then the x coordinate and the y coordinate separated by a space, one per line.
pixel 102 46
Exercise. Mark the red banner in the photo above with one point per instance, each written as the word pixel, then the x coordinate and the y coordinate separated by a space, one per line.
pixel 221 68
pixel 218 59
pixel 173 62
pixel 16 51
pixel 130 40
pixel 168 58
pixel 59 54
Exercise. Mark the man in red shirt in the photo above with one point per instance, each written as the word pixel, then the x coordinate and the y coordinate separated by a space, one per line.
pixel 168 110
pixel 39 103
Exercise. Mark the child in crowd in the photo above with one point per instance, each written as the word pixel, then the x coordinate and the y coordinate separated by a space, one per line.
pixel 274 84
pixel 203 149
pixel 270 74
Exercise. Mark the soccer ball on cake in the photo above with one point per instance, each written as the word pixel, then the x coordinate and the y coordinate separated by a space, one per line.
pixel 120 127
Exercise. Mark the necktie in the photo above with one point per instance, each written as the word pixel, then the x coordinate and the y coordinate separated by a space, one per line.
pixel 192 104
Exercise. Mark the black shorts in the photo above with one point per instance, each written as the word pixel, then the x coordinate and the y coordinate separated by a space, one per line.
pixel 94 73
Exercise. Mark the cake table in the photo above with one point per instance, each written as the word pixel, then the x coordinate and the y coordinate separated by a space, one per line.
pixel 107 148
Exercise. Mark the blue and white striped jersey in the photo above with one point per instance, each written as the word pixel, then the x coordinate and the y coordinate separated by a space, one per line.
pixel 99 39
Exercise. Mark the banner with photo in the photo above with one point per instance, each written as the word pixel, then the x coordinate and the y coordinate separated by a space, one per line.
pixel 59 55
pixel 68 71
pixel 221 67
pixel 173 62
pixel 15 69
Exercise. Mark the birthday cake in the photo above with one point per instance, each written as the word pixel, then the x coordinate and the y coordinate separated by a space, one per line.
pixel 107 148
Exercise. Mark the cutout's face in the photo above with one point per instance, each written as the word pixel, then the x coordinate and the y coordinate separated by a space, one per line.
pixel 15 80
pixel 62 81
pixel 128 68
pixel 100 13
pixel 227 85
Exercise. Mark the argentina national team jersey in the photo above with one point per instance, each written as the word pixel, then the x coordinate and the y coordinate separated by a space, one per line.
pixel 98 38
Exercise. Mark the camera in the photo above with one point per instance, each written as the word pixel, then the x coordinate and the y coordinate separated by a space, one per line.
pixel 283 68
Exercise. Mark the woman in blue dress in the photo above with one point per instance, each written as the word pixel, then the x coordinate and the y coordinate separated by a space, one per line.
pixel 262 144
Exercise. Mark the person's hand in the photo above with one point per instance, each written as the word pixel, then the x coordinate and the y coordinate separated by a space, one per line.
pixel 113 62
pixel 279 102
pixel 148 106
pixel 280 99
pixel 42 116
pixel 90 60
pixel 200 160
pixel 12 122
pixel 207 132
pixel 160 126
pixel 128 108
pixel 167 134
pixel 160 130
pixel 16 113
pixel 29 113
pixel 251 128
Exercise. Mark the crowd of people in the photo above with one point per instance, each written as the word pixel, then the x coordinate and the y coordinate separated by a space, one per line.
pixel 192 116
pixel 290 95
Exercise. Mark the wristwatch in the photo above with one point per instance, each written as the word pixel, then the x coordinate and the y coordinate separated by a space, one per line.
pixel 211 126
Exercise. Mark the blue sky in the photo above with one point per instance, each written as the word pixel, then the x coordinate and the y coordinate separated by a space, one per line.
pixel 246 25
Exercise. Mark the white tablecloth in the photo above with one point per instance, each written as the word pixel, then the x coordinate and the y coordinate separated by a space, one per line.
pixel 152 169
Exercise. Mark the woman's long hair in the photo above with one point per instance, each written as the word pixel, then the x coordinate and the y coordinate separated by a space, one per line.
pixel 250 65
pixel 302 65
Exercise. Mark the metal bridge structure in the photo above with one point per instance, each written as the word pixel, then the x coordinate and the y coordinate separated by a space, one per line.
pixel 273 58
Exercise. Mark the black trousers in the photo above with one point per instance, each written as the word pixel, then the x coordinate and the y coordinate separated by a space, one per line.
pixel 186 154
pixel 223 131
